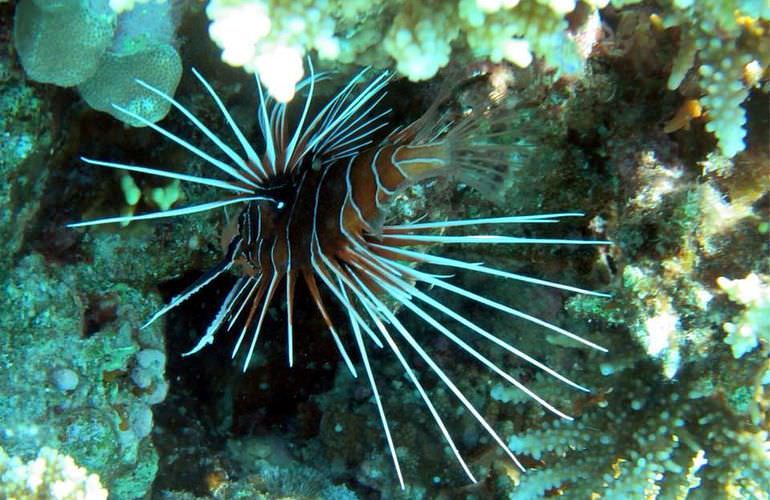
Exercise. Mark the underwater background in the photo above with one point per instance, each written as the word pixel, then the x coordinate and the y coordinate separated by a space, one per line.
pixel 650 117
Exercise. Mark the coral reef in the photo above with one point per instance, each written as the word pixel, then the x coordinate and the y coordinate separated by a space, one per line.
pixel 725 48
pixel 658 133
pixel 271 37
pixel 69 347
pixel 648 441
pixel 746 330
pixel 675 414
pixel 101 47
pixel 51 475
pixel 89 378
pixel 26 140
pixel 725 44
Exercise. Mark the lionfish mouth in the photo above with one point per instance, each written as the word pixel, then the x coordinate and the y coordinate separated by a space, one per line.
pixel 312 206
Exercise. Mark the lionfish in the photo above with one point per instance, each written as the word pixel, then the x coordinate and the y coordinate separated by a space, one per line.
pixel 312 207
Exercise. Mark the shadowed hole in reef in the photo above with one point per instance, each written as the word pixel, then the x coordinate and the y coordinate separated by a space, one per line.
pixel 100 310
pixel 211 399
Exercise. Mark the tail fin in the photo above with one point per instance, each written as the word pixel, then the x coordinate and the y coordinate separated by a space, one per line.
pixel 484 149
pixel 483 142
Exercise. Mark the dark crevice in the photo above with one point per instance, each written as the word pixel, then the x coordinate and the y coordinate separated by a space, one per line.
pixel 211 399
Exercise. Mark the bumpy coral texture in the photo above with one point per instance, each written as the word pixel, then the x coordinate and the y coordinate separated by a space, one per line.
pixel 101 47
pixel 51 475
pixel 746 330
pixel 89 396
pixel 677 431
pixel 270 37
pixel 727 44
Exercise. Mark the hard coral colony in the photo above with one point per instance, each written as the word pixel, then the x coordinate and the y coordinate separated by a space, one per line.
pixel 313 206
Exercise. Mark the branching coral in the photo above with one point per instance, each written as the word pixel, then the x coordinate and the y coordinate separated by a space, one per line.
pixel 51 475
pixel 727 45
pixel 745 331
pixel 270 37
pixel 648 441
pixel 726 42
pixel 420 38
pixel 513 31
pixel 694 425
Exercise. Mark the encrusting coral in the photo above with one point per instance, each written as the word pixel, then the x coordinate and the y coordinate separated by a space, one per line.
pixel 100 47
pixel 89 380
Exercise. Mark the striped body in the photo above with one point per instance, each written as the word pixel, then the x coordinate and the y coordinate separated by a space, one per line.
pixel 347 200
pixel 313 205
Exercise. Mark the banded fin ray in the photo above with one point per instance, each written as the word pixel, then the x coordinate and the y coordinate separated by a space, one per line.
pixel 361 289
pixel 227 150
pixel 169 175
pixel 224 167
pixel 192 209
pixel 226 263
pixel 208 337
